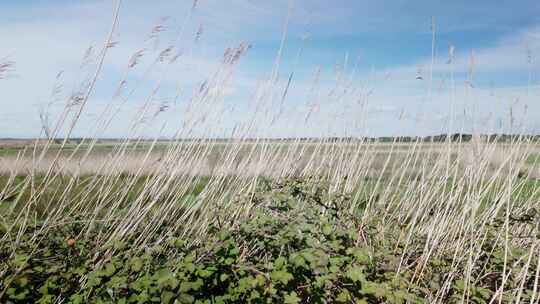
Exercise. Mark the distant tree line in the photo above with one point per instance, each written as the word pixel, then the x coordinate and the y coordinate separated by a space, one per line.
pixel 456 137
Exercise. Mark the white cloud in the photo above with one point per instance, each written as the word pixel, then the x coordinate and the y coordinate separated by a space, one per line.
pixel 47 41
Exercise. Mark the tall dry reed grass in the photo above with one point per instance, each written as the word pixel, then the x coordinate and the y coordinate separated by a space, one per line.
pixel 447 192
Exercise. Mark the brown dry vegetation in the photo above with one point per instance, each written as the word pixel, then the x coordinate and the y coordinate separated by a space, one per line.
pixel 425 202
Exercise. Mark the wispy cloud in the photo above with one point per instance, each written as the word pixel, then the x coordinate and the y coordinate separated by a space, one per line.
pixel 392 35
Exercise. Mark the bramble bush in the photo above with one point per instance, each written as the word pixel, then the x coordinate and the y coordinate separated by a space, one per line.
pixel 297 245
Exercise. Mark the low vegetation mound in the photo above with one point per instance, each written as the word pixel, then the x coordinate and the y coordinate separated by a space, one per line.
pixel 296 245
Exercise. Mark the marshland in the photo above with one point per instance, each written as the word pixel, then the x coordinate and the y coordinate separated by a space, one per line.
pixel 159 177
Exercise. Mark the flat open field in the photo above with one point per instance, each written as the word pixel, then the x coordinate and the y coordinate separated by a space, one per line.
pixel 244 158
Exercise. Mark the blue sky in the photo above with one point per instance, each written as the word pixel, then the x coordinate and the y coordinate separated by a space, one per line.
pixel 380 47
